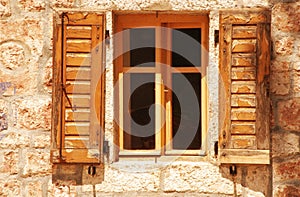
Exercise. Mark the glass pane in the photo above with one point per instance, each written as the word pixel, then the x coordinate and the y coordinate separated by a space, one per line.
pixel 142 47
pixel 186 47
pixel 140 112
pixel 186 111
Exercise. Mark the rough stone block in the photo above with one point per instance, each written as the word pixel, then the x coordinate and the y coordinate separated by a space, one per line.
pixel 9 162
pixel 62 3
pixel 40 140
pixel 287 170
pixel 37 163
pixel 10 187
pixel 34 189
pixel 32 5
pixel 13 140
pixel 47 77
pixel 128 179
pixel 285 144
pixel 286 191
pixel 296 77
pixel 280 82
pixel 34 113
pixel 284 45
pixel 289 114
pixel 13 55
pixel 286 17
pixel 280 66
pixel 5 9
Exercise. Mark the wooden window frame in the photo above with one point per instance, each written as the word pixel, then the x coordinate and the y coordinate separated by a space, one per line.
pixel 168 20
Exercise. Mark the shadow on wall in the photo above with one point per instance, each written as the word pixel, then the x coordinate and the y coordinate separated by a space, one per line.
pixel 257 178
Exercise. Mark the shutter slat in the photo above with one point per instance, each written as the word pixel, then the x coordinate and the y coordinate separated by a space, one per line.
pixel 244 99
pixel 78 101
pixel 73 73
pixel 78 59
pixel 81 46
pixel 79 32
pixel 77 128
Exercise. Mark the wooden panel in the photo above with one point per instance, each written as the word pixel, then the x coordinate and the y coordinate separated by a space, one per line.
pixel 76 141
pixel 245 16
pixel 77 73
pixel 82 155
pixel 240 127
pixel 243 100
pixel 242 156
pixel 77 45
pixel 243 114
pixel 244 46
pixel 262 86
pixel 78 115
pixel 84 18
pixel 79 32
pixel 77 128
pixel 78 88
pixel 243 142
pixel 244 73
pixel 244 59
pixel 78 101
pixel 244 32
pixel 77 59
pixel 243 87
pixel 225 84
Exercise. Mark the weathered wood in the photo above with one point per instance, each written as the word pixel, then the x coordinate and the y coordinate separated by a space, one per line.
pixel 244 46
pixel 244 31
pixel 244 73
pixel 78 101
pixel 244 156
pixel 240 127
pixel 243 114
pixel 77 128
pixel 96 83
pixel 78 115
pixel 74 142
pixel 245 16
pixel 243 142
pixel 225 84
pixel 83 46
pixel 81 155
pixel 77 73
pixel 79 32
pixel 243 100
pixel 262 86
pixel 244 59
pixel 242 87
pixel 78 87
pixel 84 18
pixel 78 59
pixel 249 141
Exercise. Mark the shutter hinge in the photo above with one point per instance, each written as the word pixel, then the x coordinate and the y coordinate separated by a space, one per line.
pixel 105 147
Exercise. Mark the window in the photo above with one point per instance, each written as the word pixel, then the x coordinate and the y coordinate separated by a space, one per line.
pixel 160 72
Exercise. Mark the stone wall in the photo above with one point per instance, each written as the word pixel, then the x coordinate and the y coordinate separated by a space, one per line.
pixel 25 109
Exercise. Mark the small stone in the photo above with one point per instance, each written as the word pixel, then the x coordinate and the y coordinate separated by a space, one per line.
pixel 287 170
pixel 289 114
pixel 32 5
pixel 289 144
pixel 280 83
pixel 5 9
pixel 37 162
pixel 9 163
pixel 34 189
pixel 286 17
pixel 10 187
pixel 12 56
pixel 287 191
pixel 284 45
pixel 34 113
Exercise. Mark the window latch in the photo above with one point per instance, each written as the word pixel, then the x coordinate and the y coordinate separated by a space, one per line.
pixel 68 99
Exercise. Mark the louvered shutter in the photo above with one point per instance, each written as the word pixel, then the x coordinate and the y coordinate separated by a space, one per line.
pixel 244 99
pixel 77 112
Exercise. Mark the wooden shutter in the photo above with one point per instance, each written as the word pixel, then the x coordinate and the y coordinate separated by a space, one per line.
pixel 77 113
pixel 244 99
